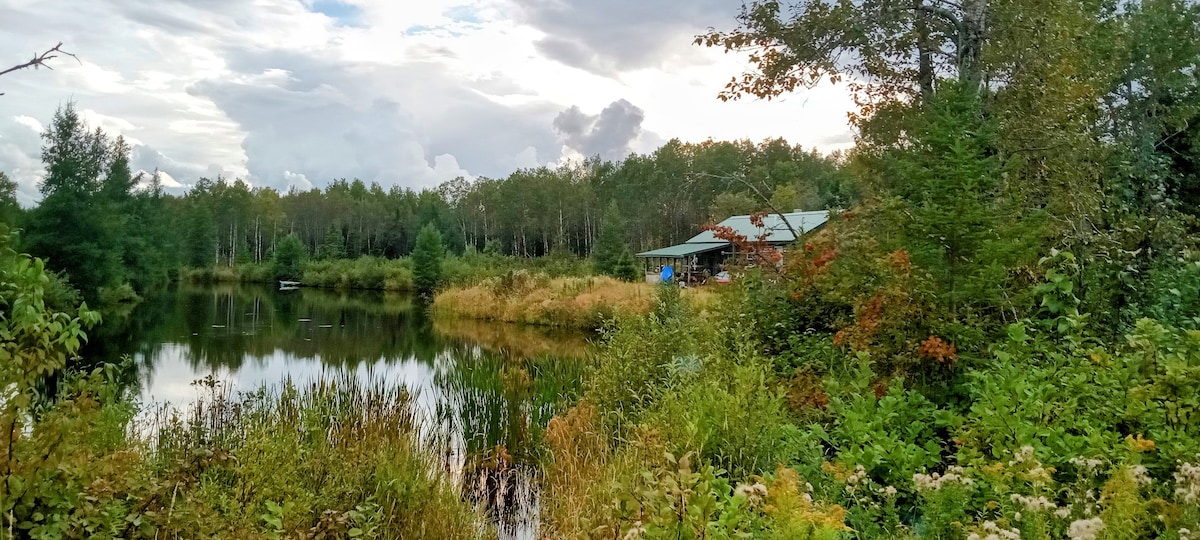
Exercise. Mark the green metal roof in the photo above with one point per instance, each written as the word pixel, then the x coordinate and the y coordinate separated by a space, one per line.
pixel 775 228
pixel 684 250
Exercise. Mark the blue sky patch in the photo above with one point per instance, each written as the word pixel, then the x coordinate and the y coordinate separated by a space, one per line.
pixel 345 14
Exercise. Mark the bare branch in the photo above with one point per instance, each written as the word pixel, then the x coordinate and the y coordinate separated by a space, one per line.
pixel 761 196
pixel 39 60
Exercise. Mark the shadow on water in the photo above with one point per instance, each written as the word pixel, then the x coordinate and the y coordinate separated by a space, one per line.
pixel 485 390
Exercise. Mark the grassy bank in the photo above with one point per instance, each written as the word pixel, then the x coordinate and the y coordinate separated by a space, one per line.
pixel 377 273
pixel 331 460
pixel 540 299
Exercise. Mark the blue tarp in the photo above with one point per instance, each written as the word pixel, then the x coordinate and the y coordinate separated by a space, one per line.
pixel 668 272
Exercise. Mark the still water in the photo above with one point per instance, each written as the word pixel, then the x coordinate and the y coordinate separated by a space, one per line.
pixel 484 390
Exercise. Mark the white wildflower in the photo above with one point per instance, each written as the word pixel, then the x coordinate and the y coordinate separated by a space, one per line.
pixel 1141 476
pixel 935 481
pixel 1033 504
pixel 1187 483
pixel 995 532
pixel 1085 529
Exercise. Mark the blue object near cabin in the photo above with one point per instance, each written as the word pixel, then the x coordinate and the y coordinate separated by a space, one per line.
pixel 668 272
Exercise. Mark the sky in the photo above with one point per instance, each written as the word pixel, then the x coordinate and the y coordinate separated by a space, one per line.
pixel 296 93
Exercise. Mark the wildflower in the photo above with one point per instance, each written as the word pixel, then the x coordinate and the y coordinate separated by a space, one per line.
pixel 754 493
pixel 1085 529
pixel 1086 464
pixel 1138 444
pixel 1064 512
pixel 636 532
pixel 996 532
pixel 1141 476
pixel 934 481
pixel 1033 504
pixel 1187 483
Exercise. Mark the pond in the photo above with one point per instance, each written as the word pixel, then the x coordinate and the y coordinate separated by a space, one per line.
pixel 484 390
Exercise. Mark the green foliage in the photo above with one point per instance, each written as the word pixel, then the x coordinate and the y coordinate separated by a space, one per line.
pixel 888 430
pixel 611 244
pixel 427 261
pixel 335 244
pixel 288 259
pixel 10 210
pixel 625 269
pixel 730 415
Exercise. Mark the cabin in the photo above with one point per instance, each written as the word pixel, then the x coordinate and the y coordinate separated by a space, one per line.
pixel 705 255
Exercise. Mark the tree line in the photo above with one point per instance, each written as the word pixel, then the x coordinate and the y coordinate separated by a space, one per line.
pixel 104 226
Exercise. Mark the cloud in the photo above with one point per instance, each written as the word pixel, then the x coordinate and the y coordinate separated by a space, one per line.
pixel 609 134
pixel 299 92
pixel 616 35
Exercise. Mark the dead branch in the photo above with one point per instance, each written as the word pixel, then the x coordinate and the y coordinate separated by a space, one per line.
pixel 39 60
pixel 761 196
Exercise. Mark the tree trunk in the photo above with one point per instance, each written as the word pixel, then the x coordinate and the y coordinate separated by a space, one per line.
pixel 971 35
pixel 925 74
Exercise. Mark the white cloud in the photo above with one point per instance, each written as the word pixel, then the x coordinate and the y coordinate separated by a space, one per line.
pixel 30 122
pixel 299 92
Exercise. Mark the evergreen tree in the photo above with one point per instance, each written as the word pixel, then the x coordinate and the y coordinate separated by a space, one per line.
pixel 427 260
pixel 201 239
pixel 334 246
pixel 625 268
pixel 611 243
pixel 287 263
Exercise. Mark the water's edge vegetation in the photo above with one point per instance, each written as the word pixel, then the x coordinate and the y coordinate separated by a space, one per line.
pixel 996 336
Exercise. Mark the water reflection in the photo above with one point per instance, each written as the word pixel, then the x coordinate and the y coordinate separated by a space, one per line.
pixel 485 391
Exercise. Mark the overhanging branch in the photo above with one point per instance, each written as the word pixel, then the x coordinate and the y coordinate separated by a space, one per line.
pixel 39 60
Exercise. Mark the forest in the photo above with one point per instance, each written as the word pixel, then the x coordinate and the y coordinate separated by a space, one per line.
pixel 996 336
pixel 657 199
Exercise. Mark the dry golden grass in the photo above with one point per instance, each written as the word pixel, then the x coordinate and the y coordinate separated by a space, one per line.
pixel 537 299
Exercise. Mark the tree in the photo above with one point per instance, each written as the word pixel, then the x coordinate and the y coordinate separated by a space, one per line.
pixel 10 210
pixel 287 263
pixel 899 46
pixel 334 246
pixel 725 205
pixel 611 243
pixel 73 228
pixel 625 268
pixel 427 260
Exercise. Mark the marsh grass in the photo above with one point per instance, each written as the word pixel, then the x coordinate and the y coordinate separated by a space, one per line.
pixel 322 459
pixel 500 404
pixel 335 458
pixel 578 302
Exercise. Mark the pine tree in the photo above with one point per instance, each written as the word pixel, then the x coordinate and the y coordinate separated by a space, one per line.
pixel 427 260
pixel 611 243
pixel 334 246
pixel 625 268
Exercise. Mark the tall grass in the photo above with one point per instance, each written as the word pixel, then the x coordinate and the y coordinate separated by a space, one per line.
pixel 331 459
pixel 573 302
pixel 539 299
